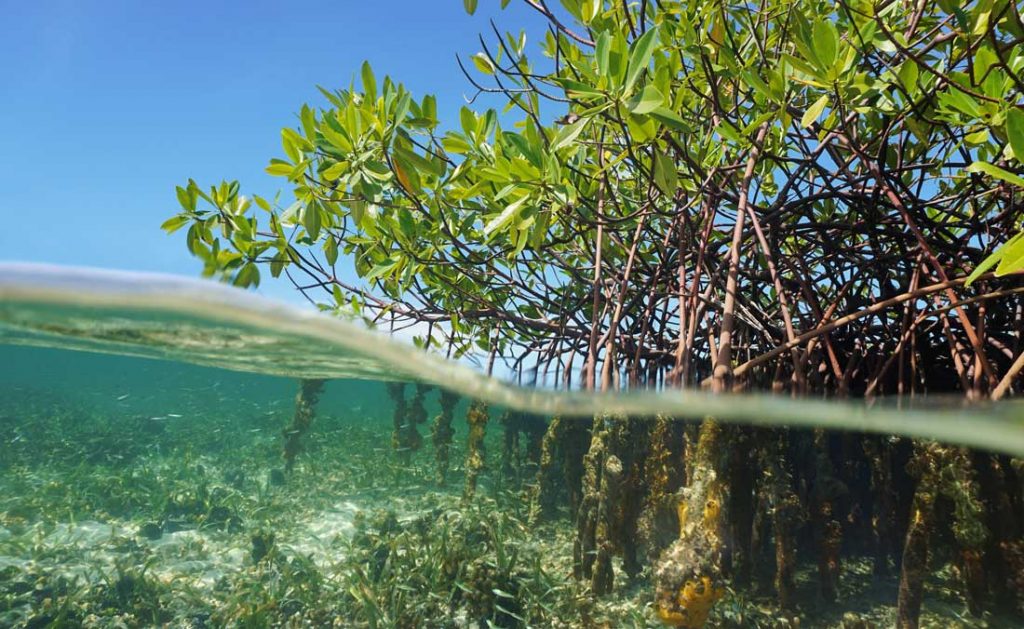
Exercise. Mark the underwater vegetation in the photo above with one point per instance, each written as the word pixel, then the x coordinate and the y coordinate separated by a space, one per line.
pixel 110 516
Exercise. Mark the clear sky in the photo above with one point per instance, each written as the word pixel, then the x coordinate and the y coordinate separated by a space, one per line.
pixel 107 105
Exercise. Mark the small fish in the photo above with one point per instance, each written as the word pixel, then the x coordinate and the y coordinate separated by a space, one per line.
pixel 175 415
pixel 124 397
pixel 158 419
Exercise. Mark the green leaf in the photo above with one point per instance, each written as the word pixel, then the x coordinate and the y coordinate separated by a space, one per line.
pixel 334 171
pixel 260 201
pixel 1013 256
pixel 575 89
pixel 369 82
pixel 308 118
pixel 1015 132
pixel 996 257
pixel 311 220
pixel 647 101
pixel 567 134
pixel 639 57
pixel 589 10
pixel 335 138
pixel 669 118
pixel 753 80
pixel 601 52
pixel 814 111
pixel 455 144
pixel 174 223
pixel 504 218
pixel 331 250
pixel 470 6
pixel 380 269
pixel 908 75
pixel 186 198
pixel 279 168
pixel 248 275
pixel 826 43
pixel 483 63
pixel 665 176
pixel 997 172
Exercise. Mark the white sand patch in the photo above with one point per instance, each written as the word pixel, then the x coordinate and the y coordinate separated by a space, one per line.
pixel 319 537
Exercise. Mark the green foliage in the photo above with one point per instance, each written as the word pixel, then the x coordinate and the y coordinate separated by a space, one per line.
pixel 486 221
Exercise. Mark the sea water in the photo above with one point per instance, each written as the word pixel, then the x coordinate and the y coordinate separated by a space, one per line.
pixel 142 480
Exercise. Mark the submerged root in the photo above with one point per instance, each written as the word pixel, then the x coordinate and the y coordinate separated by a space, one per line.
pixel 689 577
pixel 663 475
pixel 477 418
pixel 405 438
pixel 545 498
pixel 305 409
pixel 441 434
pixel 915 550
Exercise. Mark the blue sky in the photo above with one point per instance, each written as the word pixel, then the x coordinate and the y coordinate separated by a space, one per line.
pixel 107 105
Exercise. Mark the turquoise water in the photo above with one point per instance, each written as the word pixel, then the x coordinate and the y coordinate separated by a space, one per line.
pixel 209 324
pixel 143 481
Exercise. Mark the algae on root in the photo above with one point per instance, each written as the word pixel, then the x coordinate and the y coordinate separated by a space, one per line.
pixel 477 418
pixel 305 409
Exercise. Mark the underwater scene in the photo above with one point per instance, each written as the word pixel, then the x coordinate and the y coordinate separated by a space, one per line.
pixel 138 490
pixel 571 314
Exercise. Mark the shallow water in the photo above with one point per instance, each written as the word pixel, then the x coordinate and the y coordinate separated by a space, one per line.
pixel 142 480
pixel 204 323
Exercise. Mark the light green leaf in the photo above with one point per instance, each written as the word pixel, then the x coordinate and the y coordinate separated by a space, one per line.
pixel 482 63
pixel 601 52
pixel 382 269
pixel 1015 132
pixel 311 220
pixel 996 257
pixel 669 118
pixel 331 250
pixel 997 172
pixel 639 57
pixel 336 139
pixel 186 198
pixel 334 171
pixel 826 43
pixel 589 10
pixel 908 75
pixel 248 275
pixel 567 134
pixel 174 223
pixel 279 168
pixel 504 218
pixel 1013 256
pixel 647 101
pixel 369 82
pixel 455 144
pixel 814 111
pixel 665 176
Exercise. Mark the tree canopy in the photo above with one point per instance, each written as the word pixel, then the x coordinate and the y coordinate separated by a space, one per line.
pixel 787 193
